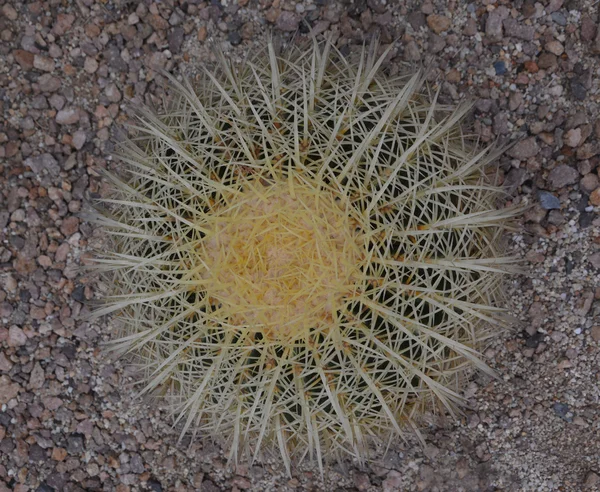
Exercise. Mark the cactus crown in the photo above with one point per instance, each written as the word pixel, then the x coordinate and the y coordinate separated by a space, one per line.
pixel 304 252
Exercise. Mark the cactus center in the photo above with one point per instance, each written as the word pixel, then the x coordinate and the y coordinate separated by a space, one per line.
pixel 281 258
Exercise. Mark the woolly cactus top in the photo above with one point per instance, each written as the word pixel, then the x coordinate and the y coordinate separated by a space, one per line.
pixel 282 258
pixel 305 253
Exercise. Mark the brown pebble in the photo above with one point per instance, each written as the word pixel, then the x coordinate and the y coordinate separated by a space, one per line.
pixel 9 12
pixel 589 183
pixel 44 261
pixel 531 66
pixel 587 150
pixel 453 76
pixel 157 22
pixel 555 47
pixel 470 28
pixel 595 197
pixel 43 63
pixel 591 480
pixel 52 402
pixel 24 58
pixel 362 482
pixel 10 283
pixel 63 23
pixel 588 28
pixel 38 313
pixel 8 390
pixel 438 23
pixel 547 60
pixel 272 14
pixel 59 454
pixel 69 69
pixel 5 363
pixel 69 226
pixel 16 337
pixel 247 30
pixel 535 257
pixel 92 30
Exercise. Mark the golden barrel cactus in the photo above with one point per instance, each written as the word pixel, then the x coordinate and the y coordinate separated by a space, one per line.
pixel 304 253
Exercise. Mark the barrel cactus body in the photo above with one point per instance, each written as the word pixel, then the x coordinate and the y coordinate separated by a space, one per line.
pixel 303 253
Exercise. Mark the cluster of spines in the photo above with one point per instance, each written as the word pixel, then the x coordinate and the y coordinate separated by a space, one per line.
pixel 424 213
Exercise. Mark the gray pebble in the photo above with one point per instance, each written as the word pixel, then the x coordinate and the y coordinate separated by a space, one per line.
pixel 42 162
pixel 515 29
pixel 67 116
pixel 416 20
pixel 562 175
pixel 288 21
pixel 595 260
pixel 57 480
pixel 175 19
pixel 113 58
pixel 49 83
pixel 37 453
pixel 559 18
pixel 501 123
pixel 586 219
pixel 556 218
pixel 234 38
pixel 79 139
pixel 75 444
pixel 39 102
pixel 548 201
pixel 493 25
pixel 57 101
pixel 562 411
pixel 525 149
pixel 136 464
pixel 112 93
pixel 578 90
pixel 175 39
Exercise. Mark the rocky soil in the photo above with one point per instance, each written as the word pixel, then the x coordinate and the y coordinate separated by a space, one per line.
pixel 70 74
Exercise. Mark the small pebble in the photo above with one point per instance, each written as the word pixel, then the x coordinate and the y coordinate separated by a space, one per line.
pixel 288 21
pixel 555 47
pixel 43 63
pixel 438 23
pixel 79 139
pixel 572 138
pixel 67 116
pixel 525 149
pixel 234 38
pixel 90 65
pixel 562 175
pixel 500 68
pixel 548 201
pixel 562 411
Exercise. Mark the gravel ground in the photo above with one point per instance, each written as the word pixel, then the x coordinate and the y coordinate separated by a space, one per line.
pixel 70 72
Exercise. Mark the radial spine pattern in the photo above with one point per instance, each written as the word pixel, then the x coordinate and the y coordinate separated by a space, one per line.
pixel 304 253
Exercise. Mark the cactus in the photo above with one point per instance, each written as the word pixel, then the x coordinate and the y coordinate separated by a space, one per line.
pixel 305 254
